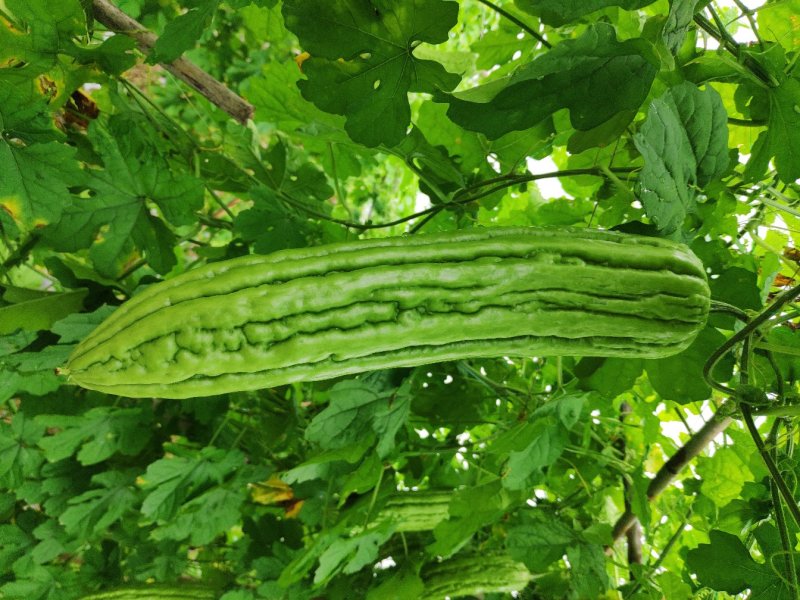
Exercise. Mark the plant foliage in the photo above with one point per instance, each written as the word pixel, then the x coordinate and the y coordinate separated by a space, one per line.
pixel 562 478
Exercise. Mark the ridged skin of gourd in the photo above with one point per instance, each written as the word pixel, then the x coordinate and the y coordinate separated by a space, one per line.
pixel 156 592
pixel 475 574
pixel 316 313
pixel 417 511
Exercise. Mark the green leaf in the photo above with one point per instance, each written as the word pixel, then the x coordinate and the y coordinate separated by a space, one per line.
pixel 781 139
pixel 350 555
pixel 588 576
pixel 238 595
pixel 559 12
pixel 358 410
pixel 777 21
pixel 304 561
pixel 680 377
pixel 539 540
pixel 118 218
pixel 362 61
pixel 99 433
pixel 276 96
pixel 50 27
pixel 32 372
pixel 363 479
pixel 537 444
pixel 679 20
pixel 594 76
pixel 205 517
pixel 736 286
pixel 115 55
pixel 723 474
pixel 637 495
pixel 182 32
pixel 40 313
pixel 684 142
pixel 439 173
pixel 609 376
pixel 268 224
pixel 19 457
pixel 448 396
pixel 24 115
pixel 33 189
pixel 403 585
pixel 10 344
pixel 498 46
pixel 92 513
pixel 724 564
pixel 77 326
pixel 470 509
pixel 42 583
pixel 171 481
pixel 319 465
pixel 57 483
pixel 14 543
pixel 53 541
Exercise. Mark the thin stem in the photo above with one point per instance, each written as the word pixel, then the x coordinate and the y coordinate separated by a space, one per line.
pixel 778 206
pixel 505 180
pixel 219 201
pixel 780 519
pixel 724 307
pixel 788 410
pixel 20 254
pixel 167 118
pixel 684 421
pixel 741 335
pixel 336 183
pixel 747 122
pixel 423 222
pixel 326 506
pixel 777 478
pixel 492 384
pixel 214 222
pixel 764 78
pixel 514 179
pixel 748 14
pixel 374 497
pixel 721 26
pixel 132 269
pixel 533 33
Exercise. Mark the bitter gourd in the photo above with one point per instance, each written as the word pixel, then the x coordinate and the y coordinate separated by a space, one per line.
pixel 469 575
pixel 321 312
pixel 417 511
pixel 156 592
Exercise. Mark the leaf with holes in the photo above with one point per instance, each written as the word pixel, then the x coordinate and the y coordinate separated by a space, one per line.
pixel 595 76
pixel 362 61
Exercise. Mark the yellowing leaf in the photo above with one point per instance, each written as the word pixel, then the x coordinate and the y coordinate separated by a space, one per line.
pixel 272 491
pixel 12 206
pixel 292 508
pixel 301 58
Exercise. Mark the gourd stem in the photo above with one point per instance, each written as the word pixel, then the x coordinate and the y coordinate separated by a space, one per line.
pixel 741 335
pixel 780 519
pixel 777 478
